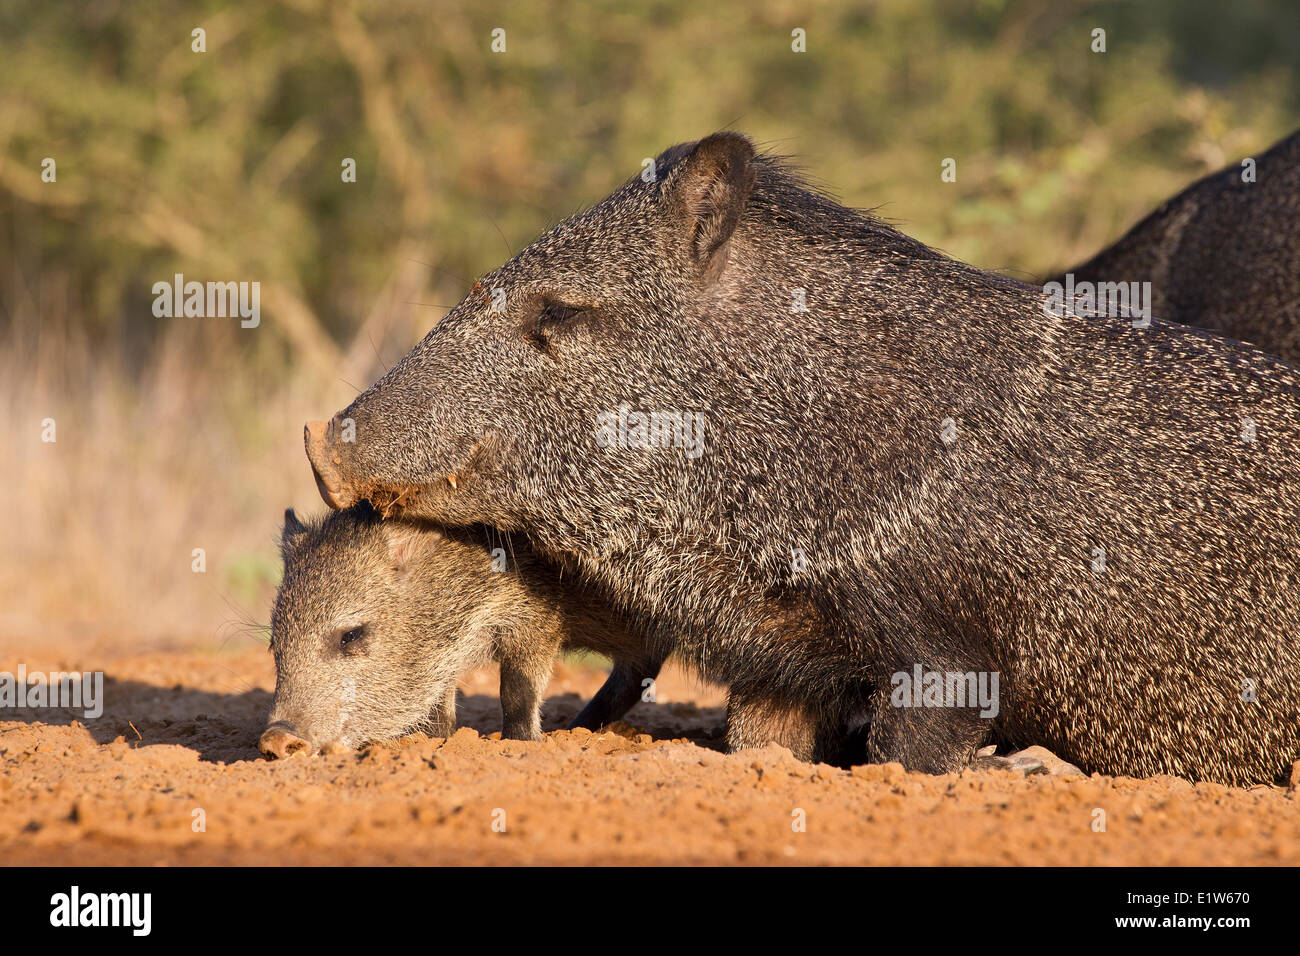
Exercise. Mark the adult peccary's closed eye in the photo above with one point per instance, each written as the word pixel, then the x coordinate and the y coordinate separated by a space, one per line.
pixel 908 475
pixel 375 622
pixel 1224 254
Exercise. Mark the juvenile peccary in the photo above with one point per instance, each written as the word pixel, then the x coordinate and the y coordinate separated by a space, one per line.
pixel 1224 254
pixel 905 464
pixel 375 621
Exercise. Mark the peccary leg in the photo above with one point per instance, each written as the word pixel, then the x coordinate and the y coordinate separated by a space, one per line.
pixel 523 682
pixel 929 739
pixel 621 692
pixel 754 722
pixel 442 723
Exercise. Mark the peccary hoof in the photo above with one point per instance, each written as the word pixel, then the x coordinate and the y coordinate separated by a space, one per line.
pixel 1031 760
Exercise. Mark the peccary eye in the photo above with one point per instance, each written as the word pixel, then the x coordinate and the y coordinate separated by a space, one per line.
pixel 355 634
pixel 552 315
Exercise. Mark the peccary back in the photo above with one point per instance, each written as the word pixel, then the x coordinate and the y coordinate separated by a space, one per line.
pixel 1224 254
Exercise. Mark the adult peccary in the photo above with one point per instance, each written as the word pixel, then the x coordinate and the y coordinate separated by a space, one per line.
pixel 907 463
pixel 1224 254
pixel 375 621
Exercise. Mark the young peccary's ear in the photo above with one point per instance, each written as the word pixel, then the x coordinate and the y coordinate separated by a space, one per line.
pixel 405 539
pixel 293 530
pixel 710 191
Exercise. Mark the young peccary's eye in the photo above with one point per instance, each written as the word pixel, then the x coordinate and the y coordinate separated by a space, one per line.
pixel 355 634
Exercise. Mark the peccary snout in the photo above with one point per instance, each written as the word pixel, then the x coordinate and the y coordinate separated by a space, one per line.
pixel 281 740
pixel 320 440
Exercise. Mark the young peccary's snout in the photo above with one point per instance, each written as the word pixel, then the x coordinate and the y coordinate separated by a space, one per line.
pixel 280 741
pixel 376 620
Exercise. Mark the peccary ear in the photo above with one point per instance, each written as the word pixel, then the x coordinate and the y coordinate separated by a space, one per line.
pixel 293 530
pixel 709 192
pixel 405 538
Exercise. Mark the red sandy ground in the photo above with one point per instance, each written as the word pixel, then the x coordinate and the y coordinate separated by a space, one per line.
pixel 180 727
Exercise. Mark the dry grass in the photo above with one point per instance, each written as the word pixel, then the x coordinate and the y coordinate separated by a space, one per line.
pixel 198 446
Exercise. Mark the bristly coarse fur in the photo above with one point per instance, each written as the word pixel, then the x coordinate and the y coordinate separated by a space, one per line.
pixel 1114 527
pixel 1224 254
pixel 424 605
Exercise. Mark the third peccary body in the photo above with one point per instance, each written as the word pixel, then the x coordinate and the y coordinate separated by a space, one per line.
pixel 905 464
pixel 1224 254
pixel 375 622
